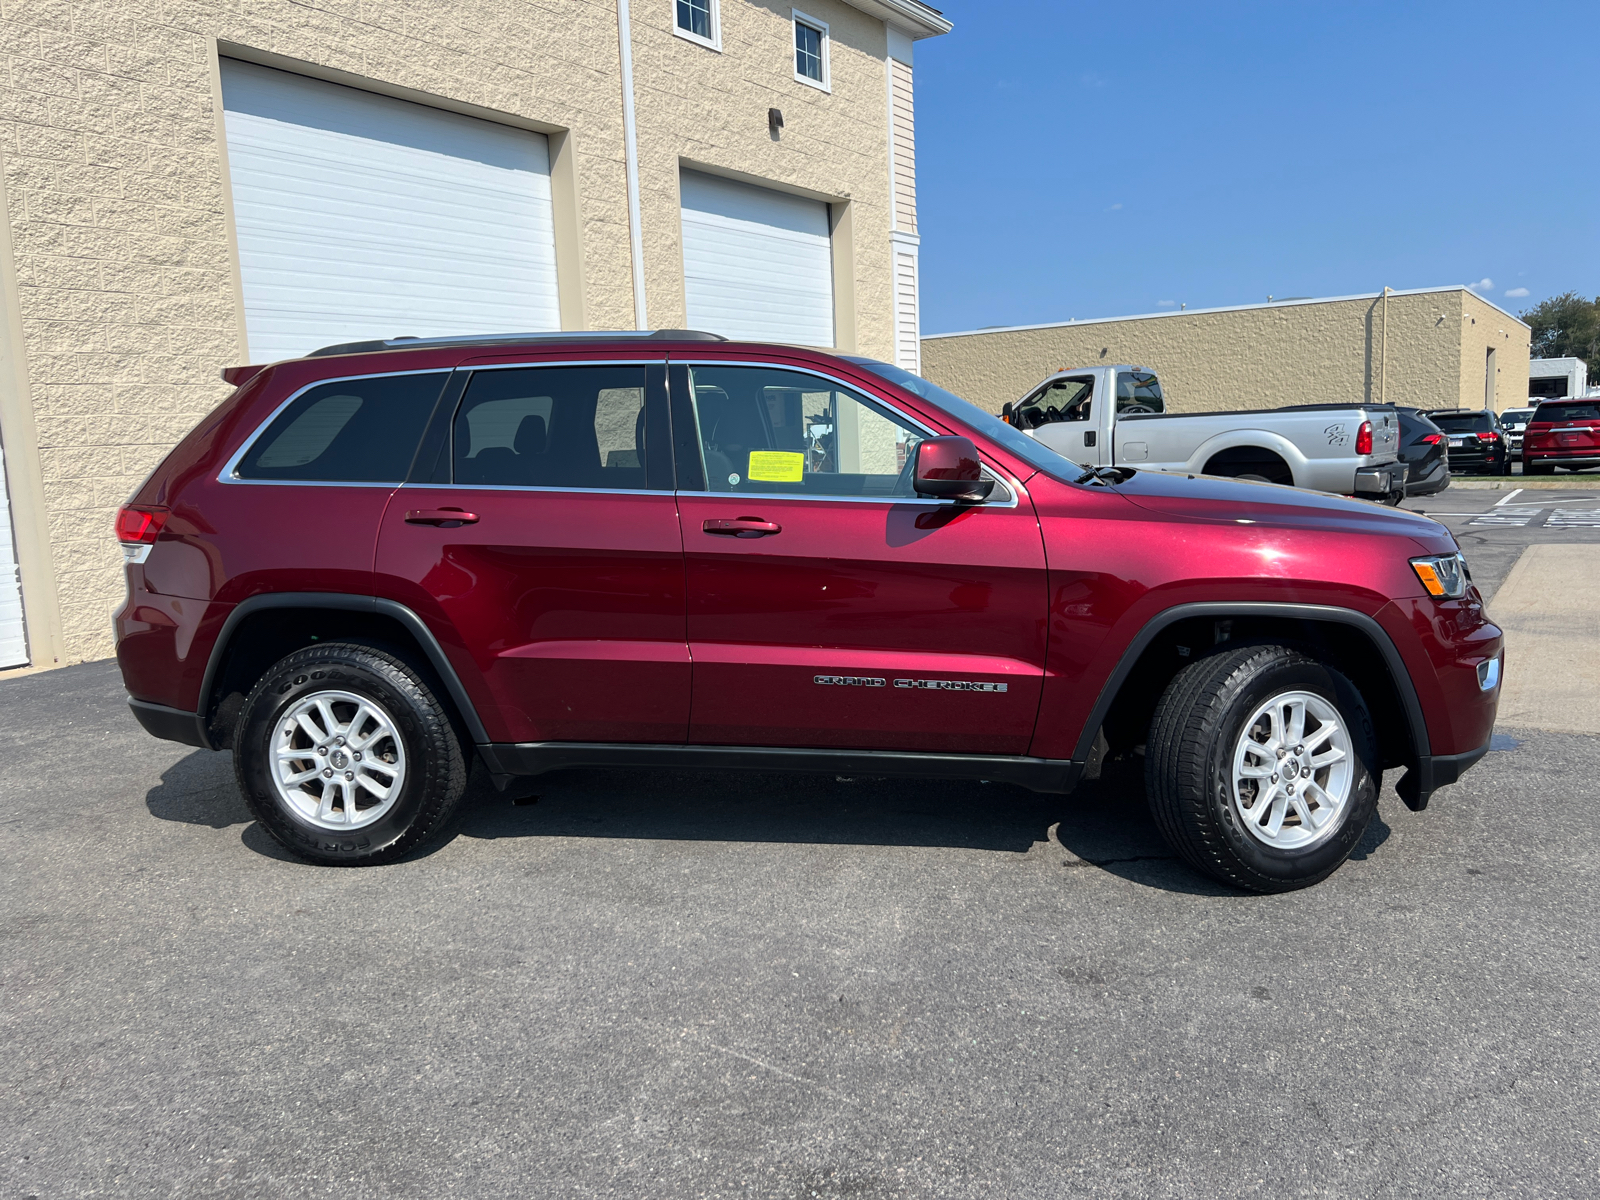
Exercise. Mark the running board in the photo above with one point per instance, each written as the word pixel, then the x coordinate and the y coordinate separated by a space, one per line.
pixel 507 761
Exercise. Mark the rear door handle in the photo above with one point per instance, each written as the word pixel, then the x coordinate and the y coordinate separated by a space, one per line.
pixel 445 518
pixel 742 527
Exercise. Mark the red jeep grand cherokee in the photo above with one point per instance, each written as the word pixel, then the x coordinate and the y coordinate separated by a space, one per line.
pixel 672 550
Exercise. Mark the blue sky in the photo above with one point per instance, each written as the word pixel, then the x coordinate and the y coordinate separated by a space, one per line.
pixel 1092 160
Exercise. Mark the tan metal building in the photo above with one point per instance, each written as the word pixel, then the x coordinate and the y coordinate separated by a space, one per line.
pixel 1430 347
pixel 190 186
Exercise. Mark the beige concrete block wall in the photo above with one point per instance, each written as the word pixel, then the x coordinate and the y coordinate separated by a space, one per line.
pixel 1322 352
pixel 703 109
pixel 1483 326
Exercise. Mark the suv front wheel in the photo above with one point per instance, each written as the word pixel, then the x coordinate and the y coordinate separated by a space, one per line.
pixel 1261 767
pixel 346 757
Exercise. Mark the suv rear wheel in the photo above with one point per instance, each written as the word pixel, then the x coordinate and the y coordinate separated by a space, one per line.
pixel 346 757
pixel 1261 768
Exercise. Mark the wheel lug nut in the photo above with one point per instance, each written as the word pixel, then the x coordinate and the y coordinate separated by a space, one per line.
pixel 1299 749
pixel 327 773
pixel 338 741
pixel 1274 777
pixel 323 750
pixel 1281 751
pixel 1290 789
pixel 349 775
pixel 356 754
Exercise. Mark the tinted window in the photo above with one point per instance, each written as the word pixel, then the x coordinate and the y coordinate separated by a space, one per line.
pixel 1139 392
pixel 769 430
pixel 352 431
pixel 1036 454
pixel 570 427
pixel 1568 412
pixel 1461 422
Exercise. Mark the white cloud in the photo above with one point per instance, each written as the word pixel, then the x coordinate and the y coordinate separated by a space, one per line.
pixel 1166 304
pixel 1517 293
pixel 1114 207
pixel 1483 285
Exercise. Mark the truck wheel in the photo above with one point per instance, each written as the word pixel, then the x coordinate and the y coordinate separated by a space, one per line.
pixel 346 757
pixel 1261 768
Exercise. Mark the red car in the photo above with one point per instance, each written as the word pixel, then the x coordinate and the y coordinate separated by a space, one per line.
pixel 1562 433
pixel 373 563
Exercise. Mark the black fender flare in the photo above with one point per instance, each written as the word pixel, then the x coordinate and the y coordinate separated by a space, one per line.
pixel 412 623
pixel 1419 781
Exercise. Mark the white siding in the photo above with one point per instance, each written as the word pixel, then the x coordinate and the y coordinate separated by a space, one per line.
pixel 907 315
pixel 757 264
pixel 903 134
pixel 13 633
pixel 363 216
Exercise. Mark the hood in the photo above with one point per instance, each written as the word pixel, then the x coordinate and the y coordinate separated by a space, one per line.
pixel 1243 502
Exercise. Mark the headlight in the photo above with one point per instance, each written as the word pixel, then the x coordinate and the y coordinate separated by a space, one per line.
pixel 1444 575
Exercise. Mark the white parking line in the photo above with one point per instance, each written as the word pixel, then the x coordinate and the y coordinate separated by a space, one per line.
pixel 1508 495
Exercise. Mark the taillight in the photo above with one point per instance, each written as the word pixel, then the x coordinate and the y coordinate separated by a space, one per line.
pixel 1432 439
pixel 1488 437
pixel 1364 438
pixel 138 525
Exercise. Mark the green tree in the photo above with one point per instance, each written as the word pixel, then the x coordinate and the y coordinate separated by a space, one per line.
pixel 1566 326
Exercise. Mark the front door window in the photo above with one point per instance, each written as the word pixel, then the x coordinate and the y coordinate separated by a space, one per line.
pixel 775 432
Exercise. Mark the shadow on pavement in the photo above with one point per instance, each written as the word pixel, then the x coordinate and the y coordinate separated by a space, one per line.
pixel 1104 825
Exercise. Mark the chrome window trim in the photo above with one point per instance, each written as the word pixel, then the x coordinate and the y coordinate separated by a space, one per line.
pixel 531 487
pixel 227 474
pixel 1009 484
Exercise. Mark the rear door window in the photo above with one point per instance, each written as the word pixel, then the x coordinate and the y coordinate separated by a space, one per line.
pixel 1139 392
pixel 557 427
pixel 347 431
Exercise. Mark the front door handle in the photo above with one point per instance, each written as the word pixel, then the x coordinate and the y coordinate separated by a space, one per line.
pixel 748 527
pixel 444 518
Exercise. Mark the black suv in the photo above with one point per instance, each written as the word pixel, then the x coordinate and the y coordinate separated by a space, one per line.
pixel 1477 441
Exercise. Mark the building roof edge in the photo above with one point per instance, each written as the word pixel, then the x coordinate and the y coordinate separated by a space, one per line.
pixel 1196 312
pixel 912 18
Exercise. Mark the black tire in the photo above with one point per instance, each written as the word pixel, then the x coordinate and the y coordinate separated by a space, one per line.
pixel 1535 468
pixel 436 769
pixel 1189 762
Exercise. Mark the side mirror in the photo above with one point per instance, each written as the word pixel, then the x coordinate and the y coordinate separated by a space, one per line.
pixel 948 468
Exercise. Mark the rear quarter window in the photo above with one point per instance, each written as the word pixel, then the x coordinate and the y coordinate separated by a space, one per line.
pixel 346 431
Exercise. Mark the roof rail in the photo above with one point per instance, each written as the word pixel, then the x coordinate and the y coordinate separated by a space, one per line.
pixel 489 339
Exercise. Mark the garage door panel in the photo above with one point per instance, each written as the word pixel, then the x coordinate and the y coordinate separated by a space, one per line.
pixel 758 264
pixel 365 216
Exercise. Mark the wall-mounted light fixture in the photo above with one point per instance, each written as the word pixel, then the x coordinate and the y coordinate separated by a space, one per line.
pixel 774 120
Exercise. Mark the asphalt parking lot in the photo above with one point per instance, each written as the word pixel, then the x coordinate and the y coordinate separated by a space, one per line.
pixel 651 984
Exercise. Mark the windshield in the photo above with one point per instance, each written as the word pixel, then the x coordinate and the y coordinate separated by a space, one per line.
pixel 991 426
pixel 1516 416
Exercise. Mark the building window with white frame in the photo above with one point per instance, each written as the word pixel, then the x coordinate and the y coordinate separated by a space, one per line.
pixel 811 50
pixel 697 21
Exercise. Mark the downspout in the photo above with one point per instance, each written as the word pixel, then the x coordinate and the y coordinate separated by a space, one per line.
pixel 630 138
pixel 1383 384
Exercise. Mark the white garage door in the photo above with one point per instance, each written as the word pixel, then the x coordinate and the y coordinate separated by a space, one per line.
pixel 362 216
pixel 13 634
pixel 757 264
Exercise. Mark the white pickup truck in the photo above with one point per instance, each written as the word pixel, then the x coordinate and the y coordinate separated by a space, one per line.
pixel 1116 416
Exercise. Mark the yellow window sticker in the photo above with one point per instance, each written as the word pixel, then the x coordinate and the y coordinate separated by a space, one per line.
pixel 776 466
